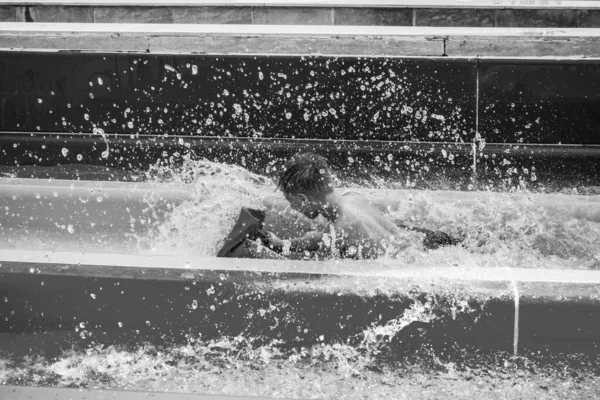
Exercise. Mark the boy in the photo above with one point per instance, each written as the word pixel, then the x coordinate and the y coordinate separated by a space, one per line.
pixel 356 228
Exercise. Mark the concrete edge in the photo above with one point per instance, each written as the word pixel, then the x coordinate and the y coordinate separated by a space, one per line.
pixel 490 4
pixel 506 309
pixel 180 267
pixel 301 40
pixel 522 309
pixel 10 392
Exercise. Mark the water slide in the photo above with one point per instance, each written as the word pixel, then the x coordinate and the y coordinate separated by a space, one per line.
pixel 133 133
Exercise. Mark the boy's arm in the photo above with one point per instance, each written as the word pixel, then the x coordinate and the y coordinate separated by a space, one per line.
pixel 309 242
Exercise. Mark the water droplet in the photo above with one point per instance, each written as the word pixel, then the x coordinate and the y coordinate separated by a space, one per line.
pixel 86 116
pixel 99 199
pixel 79 157
pixel 65 151
pixel 130 124
pixel 260 75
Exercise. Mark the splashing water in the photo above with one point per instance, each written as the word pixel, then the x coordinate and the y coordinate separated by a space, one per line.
pixel 124 368
pixel 504 229
pixel 100 131
pixel 499 229
pixel 218 191
pixel 340 370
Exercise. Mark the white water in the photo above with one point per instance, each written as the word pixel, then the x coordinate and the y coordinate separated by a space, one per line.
pixel 499 229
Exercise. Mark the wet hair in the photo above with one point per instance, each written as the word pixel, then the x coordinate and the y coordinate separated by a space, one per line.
pixel 306 173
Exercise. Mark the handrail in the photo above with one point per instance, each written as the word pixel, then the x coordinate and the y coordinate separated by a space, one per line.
pixel 308 31
pixel 322 40
pixel 546 149
pixel 464 4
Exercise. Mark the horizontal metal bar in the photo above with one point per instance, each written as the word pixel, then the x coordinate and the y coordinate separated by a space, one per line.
pixel 307 31
pixel 574 150
pixel 491 4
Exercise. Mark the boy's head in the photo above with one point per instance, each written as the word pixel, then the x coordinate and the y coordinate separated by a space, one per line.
pixel 306 182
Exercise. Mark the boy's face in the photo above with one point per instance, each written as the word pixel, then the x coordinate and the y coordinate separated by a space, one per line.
pixel 304 205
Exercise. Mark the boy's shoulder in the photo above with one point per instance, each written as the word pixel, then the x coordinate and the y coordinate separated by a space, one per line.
pixel 354 197
pixel 357 200
pixel 351 193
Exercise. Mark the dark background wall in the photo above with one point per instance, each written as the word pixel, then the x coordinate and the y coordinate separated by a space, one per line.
pixel 319 98
pixel 341 105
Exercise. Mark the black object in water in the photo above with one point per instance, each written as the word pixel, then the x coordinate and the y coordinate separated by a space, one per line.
pixel 249 225
pixel 433 239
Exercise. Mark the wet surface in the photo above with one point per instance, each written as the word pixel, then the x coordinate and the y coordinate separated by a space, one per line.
pixel 223 335
pixel 237 367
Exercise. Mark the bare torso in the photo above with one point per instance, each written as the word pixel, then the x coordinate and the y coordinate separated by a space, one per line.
pixel 362 231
